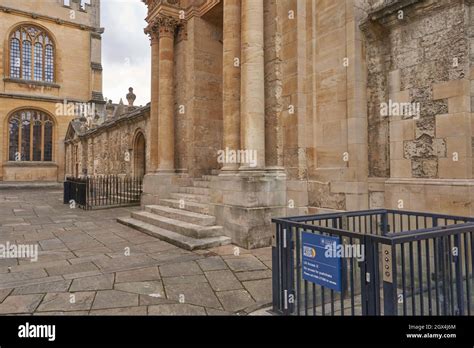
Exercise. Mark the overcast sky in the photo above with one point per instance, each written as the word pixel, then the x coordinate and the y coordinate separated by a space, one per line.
pixel 125 50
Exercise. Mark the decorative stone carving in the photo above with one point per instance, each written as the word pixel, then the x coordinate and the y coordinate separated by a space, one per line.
pixel 162 25
pixel 130 97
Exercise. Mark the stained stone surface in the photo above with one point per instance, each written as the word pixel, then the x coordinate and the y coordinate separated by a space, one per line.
pixel 143 288
pixel 176 309
pixel 20 304
pixel 58 286
pixel 99 282
pixel 244 263
pixel 235 300
pixel 142 274
pixel 67 301
pixel 114 298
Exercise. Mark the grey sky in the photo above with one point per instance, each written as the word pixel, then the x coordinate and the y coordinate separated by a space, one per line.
pixel 125 50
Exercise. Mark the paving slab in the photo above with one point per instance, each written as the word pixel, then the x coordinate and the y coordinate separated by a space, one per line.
pixel 120 311
pixel 18 276
pixel 201 295
pixel 143 288
pixel 57 286
pixel 137 275
pixel 223 280
pixel 20 303
pixel 213 263
pixel 176 309
pixel 253 275
pixel 153 299
pixel 180 269
pixel 98 282
pixel 114 299
pixel 52 244
pixel 64 301
pixel 217 312
pixel 4 293
pixel 261 290
pixel 174 256
pixel 155 247
pixel 69 269
pixel 125 263
pixel 192 279
pixel 244 263
pixel 235 300
pixel 228 250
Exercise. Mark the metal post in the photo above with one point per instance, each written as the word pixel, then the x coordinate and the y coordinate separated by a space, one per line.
pixel 389 270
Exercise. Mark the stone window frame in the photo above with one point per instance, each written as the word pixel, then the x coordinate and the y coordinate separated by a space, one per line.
pixel 34 34
pixel 30 117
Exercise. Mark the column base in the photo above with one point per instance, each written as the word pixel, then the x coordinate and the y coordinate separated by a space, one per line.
pixel 244 203
pixel 159 185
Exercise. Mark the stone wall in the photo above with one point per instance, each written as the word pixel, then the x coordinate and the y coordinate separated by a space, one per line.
pixel 107 149
pixel 419 55
pixel 75 79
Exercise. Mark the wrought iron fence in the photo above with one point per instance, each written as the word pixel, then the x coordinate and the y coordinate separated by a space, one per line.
pixel 412 264
pixel 99 192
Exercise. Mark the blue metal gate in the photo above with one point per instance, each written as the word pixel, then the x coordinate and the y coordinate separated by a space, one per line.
pixel 413 264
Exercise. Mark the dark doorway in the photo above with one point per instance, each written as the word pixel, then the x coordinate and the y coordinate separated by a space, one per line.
pixel 139 156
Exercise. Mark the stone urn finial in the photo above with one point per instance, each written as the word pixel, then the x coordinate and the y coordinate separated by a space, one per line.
pixel 131 97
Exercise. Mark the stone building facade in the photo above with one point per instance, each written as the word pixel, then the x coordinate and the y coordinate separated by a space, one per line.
pixel 114 145
pixel 50 66
pixel 265 108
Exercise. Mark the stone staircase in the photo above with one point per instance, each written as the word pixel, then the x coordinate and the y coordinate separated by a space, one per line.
pixel 183 219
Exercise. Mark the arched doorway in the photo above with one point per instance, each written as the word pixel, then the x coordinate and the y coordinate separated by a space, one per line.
pixel 139 155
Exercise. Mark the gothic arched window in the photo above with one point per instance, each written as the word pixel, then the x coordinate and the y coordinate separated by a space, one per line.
pixel 31 54
pixel 30 136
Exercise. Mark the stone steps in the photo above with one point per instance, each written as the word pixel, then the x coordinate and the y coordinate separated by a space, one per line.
pixel 202 183
pixel 200 208
pixel 194 190
pixel 182 215
pixel 174 238
pixel 184 219
pixel 189 197
pixel 178 226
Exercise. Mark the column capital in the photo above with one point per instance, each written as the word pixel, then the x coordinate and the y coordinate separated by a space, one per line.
pixel 162 26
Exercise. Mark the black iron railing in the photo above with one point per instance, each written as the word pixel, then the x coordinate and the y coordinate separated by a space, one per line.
pixel 105 191
pixel 412 264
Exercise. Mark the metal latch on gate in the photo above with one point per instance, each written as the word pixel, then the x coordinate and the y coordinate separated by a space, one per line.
pixel 387 263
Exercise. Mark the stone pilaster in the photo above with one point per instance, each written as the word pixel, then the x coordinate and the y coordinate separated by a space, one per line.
pixel 162 179
pixel 153 134
pixel 231 78
pixel 252 106
pixel 166 27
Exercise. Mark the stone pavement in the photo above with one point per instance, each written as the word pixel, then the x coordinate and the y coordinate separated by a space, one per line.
pixel 88 264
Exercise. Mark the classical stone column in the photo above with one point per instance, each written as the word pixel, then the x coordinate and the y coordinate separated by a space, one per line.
pixel 252 105
pixel 231 79
pixel 153 135
pixel 167 28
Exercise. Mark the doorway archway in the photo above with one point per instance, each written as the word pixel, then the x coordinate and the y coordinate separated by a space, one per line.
pixel 139 155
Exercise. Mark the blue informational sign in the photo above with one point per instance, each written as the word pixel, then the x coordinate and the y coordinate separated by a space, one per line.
pixel 320 267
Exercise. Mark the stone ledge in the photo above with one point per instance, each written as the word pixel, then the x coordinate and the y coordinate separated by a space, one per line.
pixel 35 164
pixel 442 182
pixel 31 82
